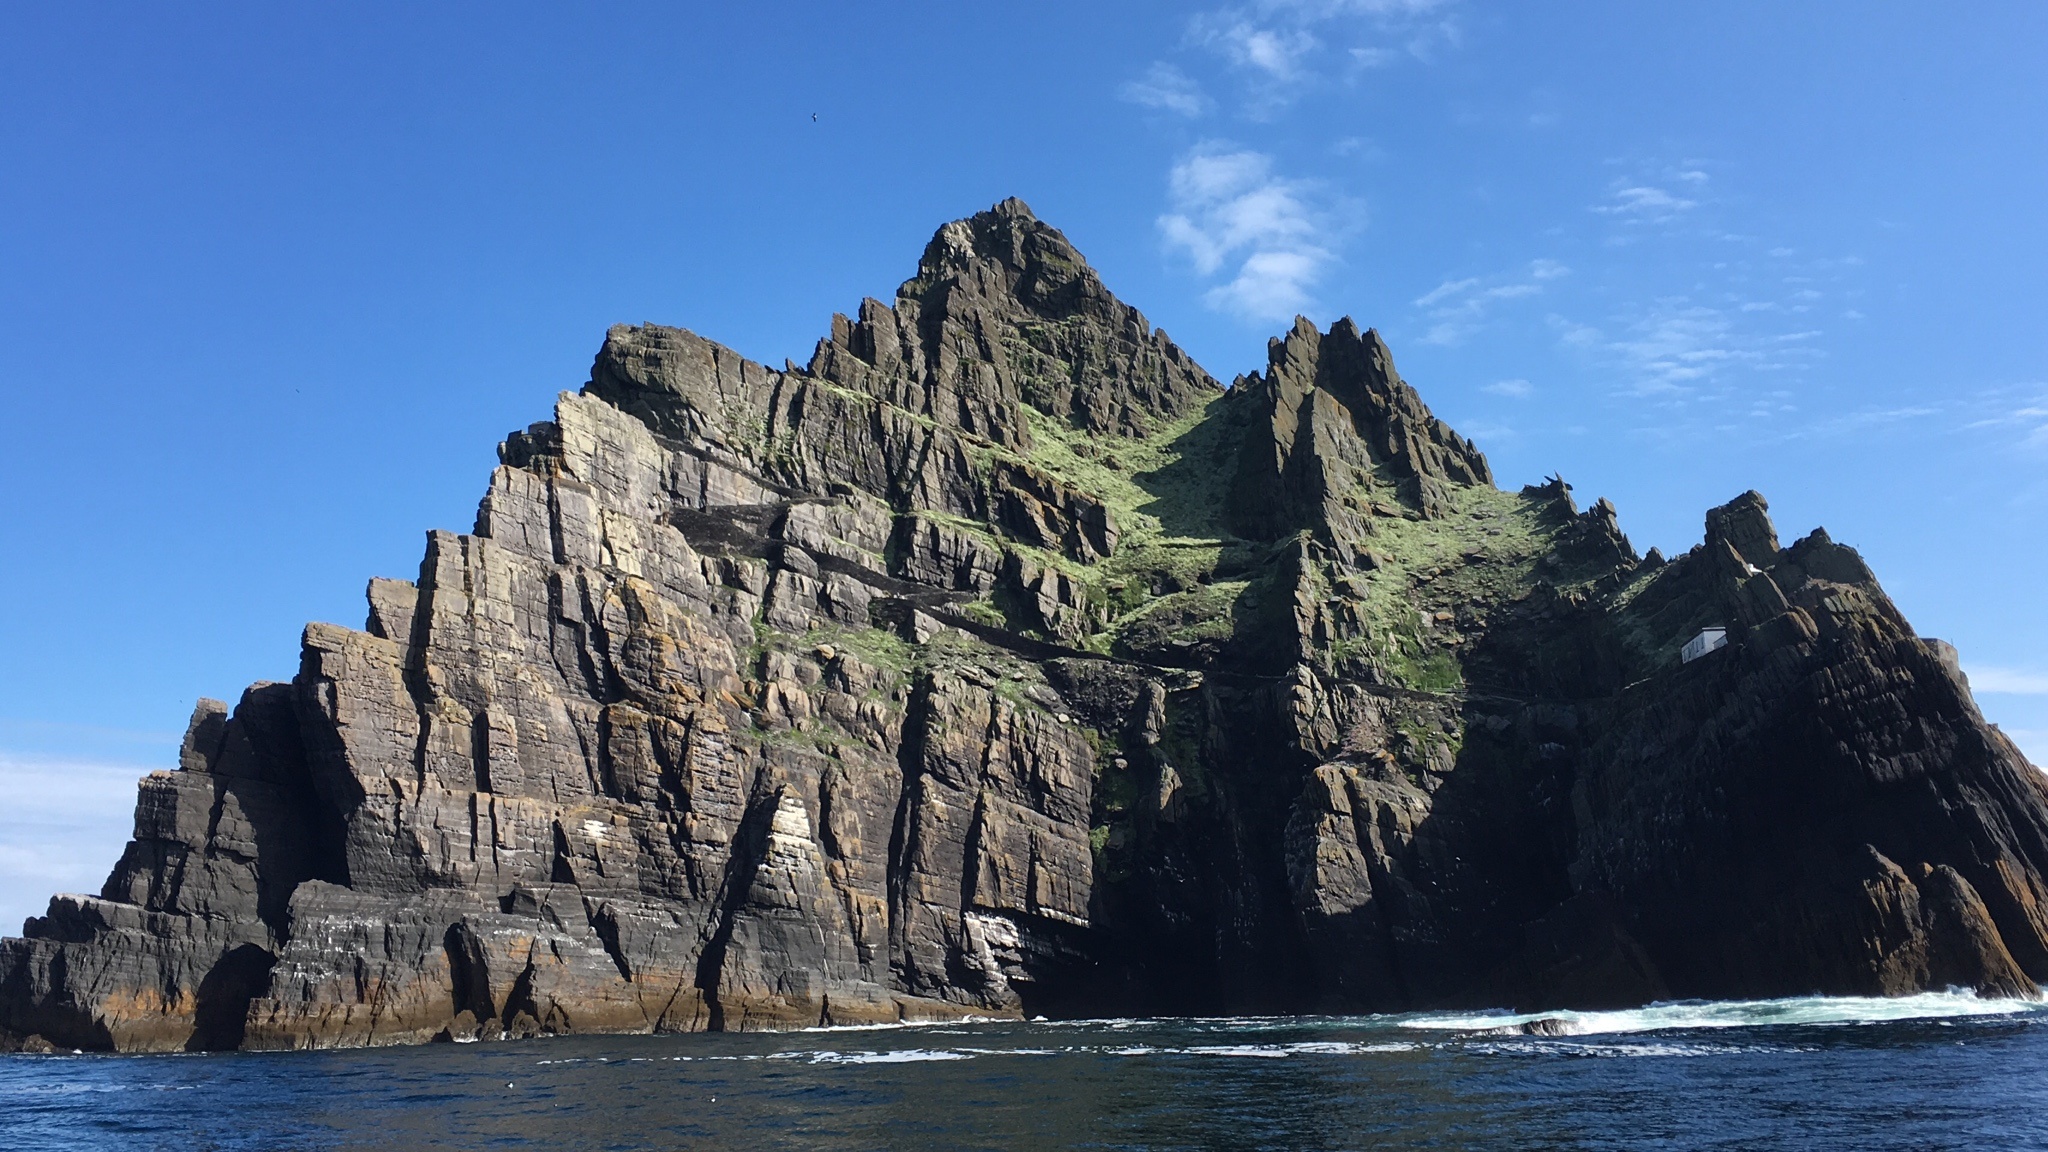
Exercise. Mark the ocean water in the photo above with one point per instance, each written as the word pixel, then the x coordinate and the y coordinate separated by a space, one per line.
pixel 1925 1072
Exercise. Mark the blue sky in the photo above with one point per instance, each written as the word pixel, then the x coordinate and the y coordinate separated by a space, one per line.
pixel 274 280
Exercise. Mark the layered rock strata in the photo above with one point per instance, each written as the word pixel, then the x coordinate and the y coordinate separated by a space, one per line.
pixel 999 661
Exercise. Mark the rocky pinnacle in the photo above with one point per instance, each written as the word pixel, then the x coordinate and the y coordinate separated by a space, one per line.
pixel 1000 661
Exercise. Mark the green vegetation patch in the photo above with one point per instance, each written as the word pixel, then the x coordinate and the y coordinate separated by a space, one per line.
pixel 1165 493
pixel 1200 614
pixel 1482 555
pixel 1433 670
pixel 983 612
pixel 1168 486
pixel 871 646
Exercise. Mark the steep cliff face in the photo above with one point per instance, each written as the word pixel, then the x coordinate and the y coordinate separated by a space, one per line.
pixel 1000 661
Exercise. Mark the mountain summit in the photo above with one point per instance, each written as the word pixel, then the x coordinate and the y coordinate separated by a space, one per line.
pixel 999 661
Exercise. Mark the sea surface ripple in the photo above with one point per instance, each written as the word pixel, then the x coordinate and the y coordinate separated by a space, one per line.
pixel 1942 1070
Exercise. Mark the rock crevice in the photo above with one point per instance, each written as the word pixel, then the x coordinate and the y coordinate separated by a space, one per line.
pixel 1000 662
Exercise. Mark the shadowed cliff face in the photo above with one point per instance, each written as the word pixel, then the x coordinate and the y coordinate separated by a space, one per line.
pixel 999 661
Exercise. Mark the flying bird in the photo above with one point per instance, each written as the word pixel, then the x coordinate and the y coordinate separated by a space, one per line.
pixel 814 117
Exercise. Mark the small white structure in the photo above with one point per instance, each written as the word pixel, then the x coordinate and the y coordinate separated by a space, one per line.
pixel 1709 640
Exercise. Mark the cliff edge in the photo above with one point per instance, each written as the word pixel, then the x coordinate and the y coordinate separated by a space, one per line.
pixel 999 661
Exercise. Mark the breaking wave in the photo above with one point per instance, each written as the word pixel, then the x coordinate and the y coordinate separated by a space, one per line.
pixel 900 1056
pixel 926 1055
pixel 1547 1034
pixel 1806 1011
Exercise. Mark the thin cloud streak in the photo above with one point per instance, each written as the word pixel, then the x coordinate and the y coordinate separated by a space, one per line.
pixel 2028 415
pixel 1228 205
pixel 1645 203
pixel 1659 199
pixel 1281 47
pixel 1167 89
pixel 1457 308
pixel 2007 421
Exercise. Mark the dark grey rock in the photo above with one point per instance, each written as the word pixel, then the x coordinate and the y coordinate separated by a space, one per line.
pixel 997 662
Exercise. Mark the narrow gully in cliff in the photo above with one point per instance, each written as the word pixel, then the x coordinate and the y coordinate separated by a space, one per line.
pixel 1427 742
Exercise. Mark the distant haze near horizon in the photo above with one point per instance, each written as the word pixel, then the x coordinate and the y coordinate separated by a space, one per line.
pixel 277 280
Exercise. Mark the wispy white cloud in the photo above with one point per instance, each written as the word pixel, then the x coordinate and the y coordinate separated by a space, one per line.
pixel 1168 89
pixel 1880 417
pixel 2020 411
pixel 1456 308
pixel 2005 419
pixel 1717 344
pixel 1280 47
pixel 1658 193
pixel 1228 210
pixel 1572 334
pixel 1226 200
pixel 1275 53
pixel 1676 344
pixel 2007 681
pixel 1271 285
pixel 1679 350
pixel 1418 27
pixel 1513 389
pixel 1378 9
pixel 1230 207
pixel 1445 290
pixel 1644 202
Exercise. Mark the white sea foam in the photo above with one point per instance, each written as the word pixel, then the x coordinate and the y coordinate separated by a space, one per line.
pixel 1651 1049
pixel 1267 1051
pixel 1107 1023
pixel 1305 1048
pixel 1497 1032
pixel 901 1056
pixel 888 1025
pixel 74 1088
pixel 921 1055
pixel 1688 1014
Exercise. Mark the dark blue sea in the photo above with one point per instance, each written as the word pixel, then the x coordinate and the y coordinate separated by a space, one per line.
pixel 1925 1072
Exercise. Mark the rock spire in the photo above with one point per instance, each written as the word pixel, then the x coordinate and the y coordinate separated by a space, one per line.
pixel 998 662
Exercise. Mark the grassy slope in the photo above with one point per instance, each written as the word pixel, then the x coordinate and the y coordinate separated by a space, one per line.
pixel 1178 574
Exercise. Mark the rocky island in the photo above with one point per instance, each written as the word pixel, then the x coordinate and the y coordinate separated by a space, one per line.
pixel 1000 662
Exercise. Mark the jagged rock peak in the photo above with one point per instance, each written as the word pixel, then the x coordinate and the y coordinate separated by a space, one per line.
pixel 1004 310
pixel 1003 318
pixel 1337 432
pixel 1358 369
pixel 928 403
pixel 998 663
pixel 1037 264
pixel 1744 523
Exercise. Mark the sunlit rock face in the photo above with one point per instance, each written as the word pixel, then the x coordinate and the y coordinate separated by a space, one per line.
pixel 999 662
